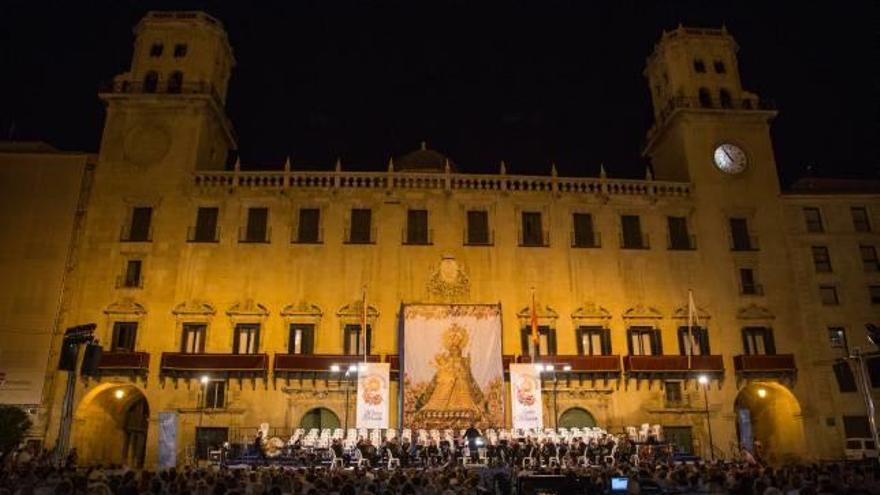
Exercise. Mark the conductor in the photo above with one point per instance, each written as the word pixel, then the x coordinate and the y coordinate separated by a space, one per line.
pixel 472 435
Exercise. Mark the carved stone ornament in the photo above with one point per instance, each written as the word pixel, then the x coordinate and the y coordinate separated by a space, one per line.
pixel 355 310
pixel 754 312
pixel 194 308
pixel 544 312
pixel 126 306
pixel 247 308
pixel 591 311
pixel 302 309
pixel 448 281
pixel 682 312
pixel 642 312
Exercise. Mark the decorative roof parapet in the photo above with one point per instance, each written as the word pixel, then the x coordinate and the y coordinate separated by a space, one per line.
pixel 338 179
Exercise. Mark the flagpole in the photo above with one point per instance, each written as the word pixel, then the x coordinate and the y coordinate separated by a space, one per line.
pixel 534 324
pixel 690 331
pixel 364 322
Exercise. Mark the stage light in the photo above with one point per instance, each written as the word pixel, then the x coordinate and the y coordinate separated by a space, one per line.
pixel 567 367
pixel 204 379
pixel 362 367
pixel 352 368
pixel 549 367
pixel 334 368
pixel 762 392
pixel 119 393
pixel 703 379
pixel 539 367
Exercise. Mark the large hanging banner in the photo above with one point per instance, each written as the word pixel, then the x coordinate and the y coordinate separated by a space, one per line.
pixel 525 396
pixel 372 395
pixel 453 374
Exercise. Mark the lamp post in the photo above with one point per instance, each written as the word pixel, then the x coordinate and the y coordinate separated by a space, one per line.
pixel 350 372
pixel 203 389
pixel 550 368
pixel 704 381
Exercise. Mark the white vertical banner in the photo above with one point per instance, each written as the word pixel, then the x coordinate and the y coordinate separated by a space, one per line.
pixel 372 395
pixel 525 391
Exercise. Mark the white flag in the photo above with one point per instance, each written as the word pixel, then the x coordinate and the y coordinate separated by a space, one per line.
pixel 525 391
pixel 372 395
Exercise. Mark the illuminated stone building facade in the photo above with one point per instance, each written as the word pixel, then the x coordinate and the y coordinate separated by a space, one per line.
pixel 254 279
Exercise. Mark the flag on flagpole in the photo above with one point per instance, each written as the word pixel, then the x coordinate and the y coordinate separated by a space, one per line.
pixel 364 323
pixel 534 324
pixel 690 327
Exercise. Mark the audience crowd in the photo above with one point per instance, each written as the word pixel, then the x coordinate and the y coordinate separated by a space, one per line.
pixel 26 474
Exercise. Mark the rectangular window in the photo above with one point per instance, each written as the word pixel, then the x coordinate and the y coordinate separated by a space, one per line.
pixel 861 223
pixel 679 237
pixel 206 225
pixel 361 228
pixel 673 392
pixel 180 50
pixel 813 218
pixel 417 227
pixel 644 341
pixel 124 336
pixel 837 338
pixel 874 292
pixel 693 341
pixel 719 67
pixel 846 381
pixel 873 366
pixel 308 228
pixel 758 340
pixel 828 295
pixel 353 343
pixel 139 228
pixel 246 338
pixel 856 427
pixel 302 338
pixel 546 340
pixel 699 66
pixel 478 228
pixel 584 235
pixel 156 49
pixel 739 234
pixel 532 229
pixel 821 259
pixel 631 233
pixel 193 338
pixel 747 283
pixel 215 394
pixel 869 258
pixel 132 273
pixel 257 229
pixel 593 341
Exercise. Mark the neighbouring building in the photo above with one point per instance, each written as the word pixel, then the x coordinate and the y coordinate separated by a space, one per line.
pixel 253 279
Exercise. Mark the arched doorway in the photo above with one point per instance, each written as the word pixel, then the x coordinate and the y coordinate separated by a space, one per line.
pixel 319 417
pixel 576 417
pixel 768 413
pixel 110 426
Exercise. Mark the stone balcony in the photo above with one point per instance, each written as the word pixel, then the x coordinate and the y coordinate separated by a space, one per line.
pixel 764 365
pixel 651 367
pixel 131 363
pixel 185 365
pixel 289 365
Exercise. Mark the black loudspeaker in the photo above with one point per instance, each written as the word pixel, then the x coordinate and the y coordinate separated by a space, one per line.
pixel 67 360
pixel 91 360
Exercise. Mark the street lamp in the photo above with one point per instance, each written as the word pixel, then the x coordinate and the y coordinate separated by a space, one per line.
pixel 349 373
pixel 704 381
pixel 119 394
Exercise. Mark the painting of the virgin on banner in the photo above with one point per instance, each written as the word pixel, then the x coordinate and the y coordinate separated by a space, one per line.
pixel 453 374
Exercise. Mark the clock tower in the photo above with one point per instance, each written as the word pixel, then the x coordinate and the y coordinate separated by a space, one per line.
pixel 707 129
pixel 166 114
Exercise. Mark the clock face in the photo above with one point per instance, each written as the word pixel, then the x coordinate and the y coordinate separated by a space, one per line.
pixel 730 158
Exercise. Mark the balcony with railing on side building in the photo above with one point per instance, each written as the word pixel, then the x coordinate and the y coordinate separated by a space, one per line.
pixel 120 362
pixel 359 236
pixel 681 242
pixel 417 237
pixel 595 364
pixel 478 238
pixel 588 239
pixel 743 243
pixel 286 365
pixel 635 241
pixel 195 234
pixel 673 364
pixel 540 238
pixel 764 364
pixel 182 364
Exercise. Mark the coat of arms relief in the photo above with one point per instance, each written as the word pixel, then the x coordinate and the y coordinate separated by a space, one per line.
pixel 448 281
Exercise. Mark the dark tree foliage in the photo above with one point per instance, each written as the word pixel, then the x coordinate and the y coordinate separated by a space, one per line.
pixel 14 424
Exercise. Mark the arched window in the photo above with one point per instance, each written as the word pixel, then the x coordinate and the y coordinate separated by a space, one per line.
pixel 705 98
pixel 151 82
pixel 726 100
pixel 175 82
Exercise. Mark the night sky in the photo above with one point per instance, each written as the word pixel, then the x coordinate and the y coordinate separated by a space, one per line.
pixel 528 83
